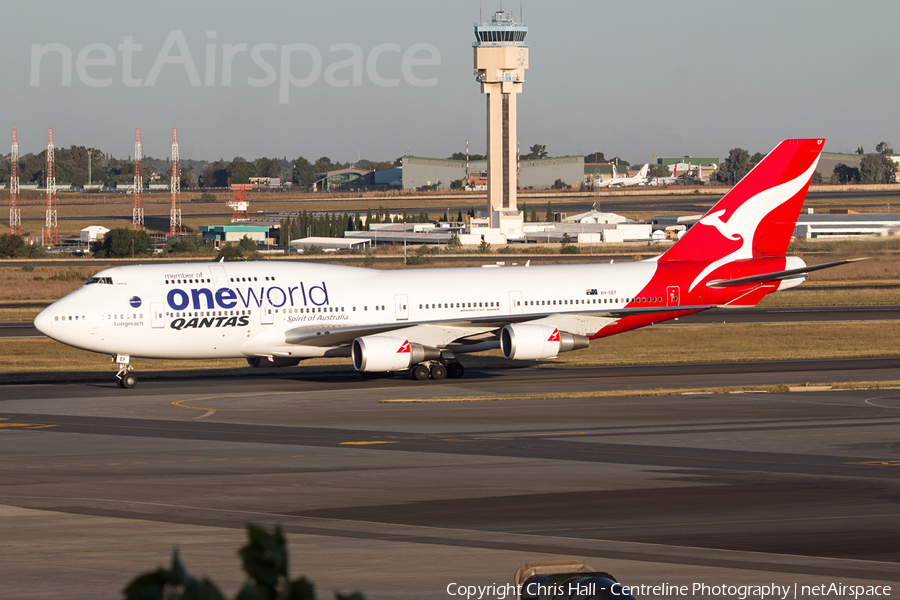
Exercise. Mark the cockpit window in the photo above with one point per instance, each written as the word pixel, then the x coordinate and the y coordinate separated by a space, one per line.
pixel 106 280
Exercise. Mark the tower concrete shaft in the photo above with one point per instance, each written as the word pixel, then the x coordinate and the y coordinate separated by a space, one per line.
pixel 501 57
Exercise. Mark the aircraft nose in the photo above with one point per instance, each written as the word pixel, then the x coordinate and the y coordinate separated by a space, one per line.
pixel 44 321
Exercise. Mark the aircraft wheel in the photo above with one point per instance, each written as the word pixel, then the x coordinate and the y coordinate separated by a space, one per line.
pixel 128 381
pixel 420 372
pixel 455 370
pixel 119 382
pixel 438 371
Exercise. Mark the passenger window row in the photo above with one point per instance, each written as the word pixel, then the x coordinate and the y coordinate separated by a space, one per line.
pixel 187 281
pixel 102 317
pixel 460 305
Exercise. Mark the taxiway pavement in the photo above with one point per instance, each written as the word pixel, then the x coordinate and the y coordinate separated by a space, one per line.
pixel 399 498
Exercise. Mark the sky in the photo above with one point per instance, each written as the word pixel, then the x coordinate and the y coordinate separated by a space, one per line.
pixel 377 79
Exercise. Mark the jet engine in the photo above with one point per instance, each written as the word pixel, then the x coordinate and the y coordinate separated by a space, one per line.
pixel 530 341
pixel 266 362
pixel 385 353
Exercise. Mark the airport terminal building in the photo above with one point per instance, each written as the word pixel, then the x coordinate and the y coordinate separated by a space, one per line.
pixel 538 174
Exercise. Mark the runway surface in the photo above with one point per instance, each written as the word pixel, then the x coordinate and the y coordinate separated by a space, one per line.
pixel 400 499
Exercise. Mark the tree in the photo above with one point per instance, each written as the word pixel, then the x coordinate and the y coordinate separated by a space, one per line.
pixel 559 184
pixel 190 244
pixel 877 168
pixel 596 157
pixel 537 151
pixel 549 218
pixel 659 171
pixel 883 148
pixel 11 245
pixel 240 171
pixel 453 244
pixel 117 243
pixel 185 177
pixel 267 167
pixel 229 253
pixel 264 560
pixel 843 174
pixel 757 158
pixel 215 175
pixel 422 256
pixel 534 215
pixel 324 164
pixel 462 156
pixel 484 247
pixel 566 239
pixel 735 166
pixel 246 244
pixel 369 260
pixel 303 173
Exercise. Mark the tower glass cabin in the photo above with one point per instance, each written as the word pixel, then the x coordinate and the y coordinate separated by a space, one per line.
pixel 501 57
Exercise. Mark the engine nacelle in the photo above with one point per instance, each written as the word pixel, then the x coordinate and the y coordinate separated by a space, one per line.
pixel 267 362
pixel 384 353
pixel 531 341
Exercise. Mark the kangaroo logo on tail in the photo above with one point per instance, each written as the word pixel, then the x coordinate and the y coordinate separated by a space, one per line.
pixel 743 222
pixel 757 217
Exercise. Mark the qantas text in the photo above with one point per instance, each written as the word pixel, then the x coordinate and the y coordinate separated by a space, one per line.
pixel 199 322
pixel 205 298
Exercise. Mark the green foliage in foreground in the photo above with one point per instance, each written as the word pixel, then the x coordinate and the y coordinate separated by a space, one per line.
pixel 265 561
pixel 14 246
pixel 122 242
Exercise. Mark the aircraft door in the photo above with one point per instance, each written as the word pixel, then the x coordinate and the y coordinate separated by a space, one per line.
pixel 266 314
pixel 219 277
pixel 157 315
pixel 673 296
pixel 515 303
pixel 401 307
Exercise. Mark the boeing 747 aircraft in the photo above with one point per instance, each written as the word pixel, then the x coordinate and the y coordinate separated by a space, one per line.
pixel 275 314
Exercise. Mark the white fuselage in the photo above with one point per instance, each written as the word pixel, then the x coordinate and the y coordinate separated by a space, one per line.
pixel 220 310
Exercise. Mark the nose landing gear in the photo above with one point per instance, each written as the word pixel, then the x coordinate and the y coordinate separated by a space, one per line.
pixel 125 378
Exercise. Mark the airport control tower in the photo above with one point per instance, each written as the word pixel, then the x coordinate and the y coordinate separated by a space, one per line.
pixel 501 57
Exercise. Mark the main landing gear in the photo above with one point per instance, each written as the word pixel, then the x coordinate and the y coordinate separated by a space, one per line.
pixel 125 378
pixel 437 370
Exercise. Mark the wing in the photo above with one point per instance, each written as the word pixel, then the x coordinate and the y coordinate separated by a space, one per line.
pixel 441 334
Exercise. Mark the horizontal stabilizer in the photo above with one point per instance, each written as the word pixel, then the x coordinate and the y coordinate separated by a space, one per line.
pixel 779 275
